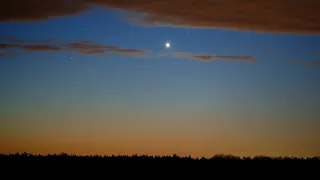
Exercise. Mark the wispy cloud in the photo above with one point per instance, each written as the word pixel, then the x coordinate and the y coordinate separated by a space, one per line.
pixel 292 61
pixel 86 48
pixel 205 57
pixel 310 63
pixel 37 47
pixel 6 55
pixel 288 16
pixel 83 47
pixel 15 40
pixel 314 63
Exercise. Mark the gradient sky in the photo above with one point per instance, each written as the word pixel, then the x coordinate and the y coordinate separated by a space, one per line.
pixel 259 95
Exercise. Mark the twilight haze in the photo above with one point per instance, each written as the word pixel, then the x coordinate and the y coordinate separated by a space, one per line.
pixel 190 77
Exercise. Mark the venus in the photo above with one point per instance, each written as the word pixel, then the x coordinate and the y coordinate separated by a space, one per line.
pixel 167 45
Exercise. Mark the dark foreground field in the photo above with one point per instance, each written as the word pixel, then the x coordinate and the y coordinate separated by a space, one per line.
pixel 114 167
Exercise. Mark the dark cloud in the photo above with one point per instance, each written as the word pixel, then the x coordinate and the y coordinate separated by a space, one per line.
pixel 204 57
pixel 35 10
pixel 289 16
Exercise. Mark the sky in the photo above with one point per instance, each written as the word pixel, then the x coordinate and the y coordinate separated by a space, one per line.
pixel 95 77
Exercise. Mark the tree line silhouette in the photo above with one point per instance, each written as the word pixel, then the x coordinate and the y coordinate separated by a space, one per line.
pixel 218 157
pixel 69 166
